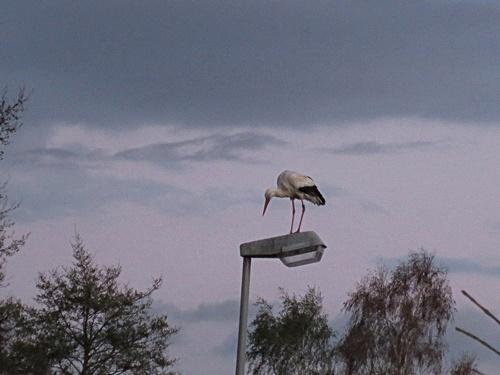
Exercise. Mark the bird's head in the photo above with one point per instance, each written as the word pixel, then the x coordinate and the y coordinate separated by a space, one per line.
pixel 267 195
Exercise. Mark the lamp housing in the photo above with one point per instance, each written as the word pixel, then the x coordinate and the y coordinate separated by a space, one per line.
pixel 293 250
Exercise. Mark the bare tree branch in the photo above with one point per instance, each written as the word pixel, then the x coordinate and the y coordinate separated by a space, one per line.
pixel 484 309
pixel 477 339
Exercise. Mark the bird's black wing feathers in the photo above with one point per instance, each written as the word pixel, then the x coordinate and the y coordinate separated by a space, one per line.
pixel 313 192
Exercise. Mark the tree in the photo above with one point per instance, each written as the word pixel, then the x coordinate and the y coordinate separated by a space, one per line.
pixel 489 314
pixel 9 244
pixel 89 324
pixel 19 354
pixel 10 121
pixel 12 312
pixel 10 116
pixel 296 341
pixel 466 365
pixel 398 320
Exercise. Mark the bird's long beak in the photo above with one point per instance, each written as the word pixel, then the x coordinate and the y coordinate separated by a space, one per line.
pixel 265 205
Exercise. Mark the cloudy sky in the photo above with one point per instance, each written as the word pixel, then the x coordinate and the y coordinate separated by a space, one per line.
pixel 154 127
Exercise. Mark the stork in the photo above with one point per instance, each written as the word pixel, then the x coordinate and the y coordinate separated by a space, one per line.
pixel 294 185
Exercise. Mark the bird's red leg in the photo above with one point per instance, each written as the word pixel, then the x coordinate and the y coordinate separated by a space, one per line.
pixel 301 216
pixel 293 214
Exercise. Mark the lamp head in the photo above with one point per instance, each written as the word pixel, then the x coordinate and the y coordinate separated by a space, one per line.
pixel 293 250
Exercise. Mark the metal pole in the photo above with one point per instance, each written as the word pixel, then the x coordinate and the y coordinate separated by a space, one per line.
pixel 242 331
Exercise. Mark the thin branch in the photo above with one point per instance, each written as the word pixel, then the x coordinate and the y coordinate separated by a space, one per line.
pixel 485 310
pixel 478 372
pixel 478 340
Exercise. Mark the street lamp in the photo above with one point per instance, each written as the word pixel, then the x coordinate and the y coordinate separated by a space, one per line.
pixel 293 250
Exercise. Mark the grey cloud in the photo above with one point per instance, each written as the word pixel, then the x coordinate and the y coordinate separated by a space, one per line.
pixel 56 153
pixel 226 62
pixel 338 192
pixel 372 207
pixel 228 347
pixel 210 311
pixel 215 147
pixel 493 227
pixel 372 147
pixel 463 265
pixel 75 192
pixel 457 265
pixel 222 311
pixel 75 157
pixel 222 315
pixel 54 187
pixel 209 148
pixel 51 182
pixel 334 191
pixel 69 192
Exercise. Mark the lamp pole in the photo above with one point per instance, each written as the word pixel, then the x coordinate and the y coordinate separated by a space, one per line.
pixel 293 250
pixel 242 331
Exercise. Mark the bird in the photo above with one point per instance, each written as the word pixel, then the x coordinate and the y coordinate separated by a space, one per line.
pixel 295 185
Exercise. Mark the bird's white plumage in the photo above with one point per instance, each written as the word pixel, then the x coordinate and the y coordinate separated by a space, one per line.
pixel 291 182
pixel 295 185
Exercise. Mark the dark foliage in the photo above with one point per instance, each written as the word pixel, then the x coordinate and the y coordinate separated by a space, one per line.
pixel 10 116
pixel 296 341
pixel 12 312
pixel 466 365
pixel 9 244
pixel 398 320
pixel 88 324
pixel 19 352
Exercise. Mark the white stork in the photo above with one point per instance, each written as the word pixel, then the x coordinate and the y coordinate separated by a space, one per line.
pixel 294 185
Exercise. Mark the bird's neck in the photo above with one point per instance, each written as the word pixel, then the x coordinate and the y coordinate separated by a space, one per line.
pixel 279 193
